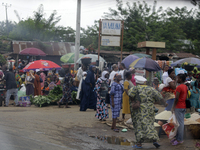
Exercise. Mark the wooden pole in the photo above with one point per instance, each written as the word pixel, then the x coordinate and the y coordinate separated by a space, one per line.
pixel 99 41
pixel 154 54
pixel 122 39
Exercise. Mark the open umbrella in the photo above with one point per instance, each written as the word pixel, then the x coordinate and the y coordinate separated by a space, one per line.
pixel 190 60
pixel 128 60
pixel 69 57
pixel 145 63
pixel 93 56
pixel 44 64
pixel 32 52
pixel 140 55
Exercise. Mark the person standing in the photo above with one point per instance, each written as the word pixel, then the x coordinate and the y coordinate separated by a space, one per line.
pixel 89 100
pixel 144 116
pixel 112 74
pixel 30 83
pixel 127 85
pixel 37 84
pixel 168 91
pixel 179 108
pixel 133 76
pixel 42 76
pixel 165 74
pixel 116 100
pixel 11 87
pixel 122 72
pixel 80 77
pixel 102 86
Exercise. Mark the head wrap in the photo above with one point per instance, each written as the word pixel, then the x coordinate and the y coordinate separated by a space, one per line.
pixel 90 68
pixel 103 75
pixel 140 79
pixel 170 71
pixel 37 70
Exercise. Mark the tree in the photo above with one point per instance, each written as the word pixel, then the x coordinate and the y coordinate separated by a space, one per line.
pixel 146 23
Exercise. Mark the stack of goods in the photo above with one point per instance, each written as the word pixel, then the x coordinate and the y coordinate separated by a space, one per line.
pixel 24 101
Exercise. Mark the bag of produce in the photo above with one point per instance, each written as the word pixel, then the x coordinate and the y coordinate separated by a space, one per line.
pixel 171 127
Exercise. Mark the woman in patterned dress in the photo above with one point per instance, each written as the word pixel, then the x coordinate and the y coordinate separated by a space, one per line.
pixel 101 88
pixel 116 99
pixel 67 84
pixel 143 117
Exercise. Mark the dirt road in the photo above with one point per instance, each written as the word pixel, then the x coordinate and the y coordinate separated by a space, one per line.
pixel 59 128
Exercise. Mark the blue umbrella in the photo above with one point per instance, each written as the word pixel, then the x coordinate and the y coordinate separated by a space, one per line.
pixel 190 60
pixel 128 60
pixel 145 63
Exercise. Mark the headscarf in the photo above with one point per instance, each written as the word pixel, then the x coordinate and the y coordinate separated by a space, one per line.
pixel 90 68
pixel 103 75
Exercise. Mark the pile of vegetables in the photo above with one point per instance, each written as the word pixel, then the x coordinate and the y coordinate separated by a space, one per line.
pixel 41 100
pixel 54 96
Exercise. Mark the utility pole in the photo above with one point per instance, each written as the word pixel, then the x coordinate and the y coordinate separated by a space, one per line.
pixel 6 7
pixel 77 40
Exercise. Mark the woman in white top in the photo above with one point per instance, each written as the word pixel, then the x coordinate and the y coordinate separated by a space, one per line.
pixel 112 74
pixel 165 74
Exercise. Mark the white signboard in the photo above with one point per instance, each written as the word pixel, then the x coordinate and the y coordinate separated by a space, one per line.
pixel 110 41
pixel 140 72
pixel 111 27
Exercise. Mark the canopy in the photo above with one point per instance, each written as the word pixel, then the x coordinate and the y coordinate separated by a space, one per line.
pixel 128 60
pixel 69 58
pixel 93 56
pixel 44 64
pixel 141 55
pixel 190 60
pixel 145 63
pixel 32 52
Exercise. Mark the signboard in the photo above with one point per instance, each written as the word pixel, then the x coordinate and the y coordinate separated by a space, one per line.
pixel 110 41
pixel 140 72
pixel 111 27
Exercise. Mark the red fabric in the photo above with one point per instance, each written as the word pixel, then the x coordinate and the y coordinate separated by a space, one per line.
pixel 133 80
pixel 37 89
pixel 182 89
pixel 58 83
pixel 169 89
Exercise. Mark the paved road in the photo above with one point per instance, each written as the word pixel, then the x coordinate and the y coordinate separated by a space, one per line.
pixel 13 139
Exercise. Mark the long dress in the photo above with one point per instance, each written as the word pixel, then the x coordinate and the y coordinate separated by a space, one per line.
pixel 102 109
pixel 126 106
pixel 67 84
pixel 194 98
pixel 143 118
pixel 30 86
pixel 116 91
pixel 88 95
pixel 79 77
pixel 37 84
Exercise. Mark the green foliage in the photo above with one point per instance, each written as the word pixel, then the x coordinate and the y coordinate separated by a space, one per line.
pixel 2 60
pixel 41 100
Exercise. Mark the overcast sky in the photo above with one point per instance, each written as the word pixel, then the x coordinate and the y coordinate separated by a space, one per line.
pixel 90 9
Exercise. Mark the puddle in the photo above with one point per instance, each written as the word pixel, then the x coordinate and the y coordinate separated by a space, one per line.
pixel 113 140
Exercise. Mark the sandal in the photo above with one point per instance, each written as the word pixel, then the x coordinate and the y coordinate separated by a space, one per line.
pixel 116 130
pixel 156 144
pixel 135 146
pixel 172 141
pixel 176 143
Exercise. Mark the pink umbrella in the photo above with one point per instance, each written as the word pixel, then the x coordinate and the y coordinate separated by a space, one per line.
pixel 32 52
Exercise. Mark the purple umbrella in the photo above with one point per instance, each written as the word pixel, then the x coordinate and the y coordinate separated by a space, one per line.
pixel 32 52
pixel 128 60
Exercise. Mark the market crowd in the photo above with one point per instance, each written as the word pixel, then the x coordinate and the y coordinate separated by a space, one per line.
pixel 118 89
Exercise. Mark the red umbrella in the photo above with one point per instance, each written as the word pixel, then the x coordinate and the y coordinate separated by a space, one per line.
pixel 44 64
pixel 32 51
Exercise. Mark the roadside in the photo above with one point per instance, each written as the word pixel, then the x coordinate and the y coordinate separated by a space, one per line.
pixel 62 128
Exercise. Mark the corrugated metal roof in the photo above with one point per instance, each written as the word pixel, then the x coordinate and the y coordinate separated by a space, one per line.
pixel 50 48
